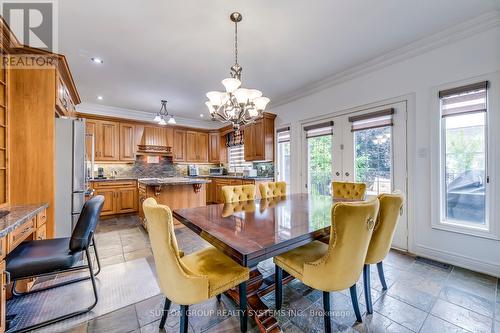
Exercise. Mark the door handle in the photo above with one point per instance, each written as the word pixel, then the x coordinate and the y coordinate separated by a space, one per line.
pixel 337 173
pixel 347 174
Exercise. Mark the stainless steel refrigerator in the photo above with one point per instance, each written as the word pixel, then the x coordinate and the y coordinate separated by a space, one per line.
pixel 70 174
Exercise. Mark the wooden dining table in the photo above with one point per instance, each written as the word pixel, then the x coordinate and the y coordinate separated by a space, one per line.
pixel 253 231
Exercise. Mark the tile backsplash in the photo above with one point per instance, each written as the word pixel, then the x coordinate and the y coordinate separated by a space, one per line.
pixel 166 168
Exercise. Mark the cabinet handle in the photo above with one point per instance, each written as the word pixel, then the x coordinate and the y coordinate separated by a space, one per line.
pixel 7 277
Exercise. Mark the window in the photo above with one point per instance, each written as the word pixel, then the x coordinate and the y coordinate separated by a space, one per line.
pixel 373 150
pixel 464 176
pixel 319 139
pixel 283 158
pixel 236 158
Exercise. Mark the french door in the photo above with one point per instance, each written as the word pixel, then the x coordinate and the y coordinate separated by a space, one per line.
pixel 367 146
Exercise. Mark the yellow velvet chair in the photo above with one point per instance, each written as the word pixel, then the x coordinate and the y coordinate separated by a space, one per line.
pixel 272 189
pixel 238 193
pixel 346 190
pixel 335 266
pixel 192 278
pixel 236 207
pixel 380 244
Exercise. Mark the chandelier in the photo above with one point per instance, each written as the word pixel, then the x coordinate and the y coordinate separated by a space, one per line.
pixel 162 115
pixel 237 105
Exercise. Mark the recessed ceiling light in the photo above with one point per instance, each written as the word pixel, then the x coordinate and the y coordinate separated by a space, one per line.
pixel 97 60
pixel 201 115
pixel 100 97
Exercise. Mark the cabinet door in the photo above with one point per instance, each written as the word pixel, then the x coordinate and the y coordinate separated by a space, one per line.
pixel 91 128
pixel 169 134
pixel 179 146
pixel 258 144
pixel 109 207
pixel 126 200
pixel 248 142
pixel 109 150
pixel 127 142
pixel 191 149
pixel 213 148
pixel 202 147
pixel 3 300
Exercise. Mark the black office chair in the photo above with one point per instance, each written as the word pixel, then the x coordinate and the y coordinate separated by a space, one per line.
pixel 46 257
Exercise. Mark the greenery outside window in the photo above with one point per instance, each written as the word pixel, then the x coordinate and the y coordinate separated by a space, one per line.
pixel 283 155
pixel 319 140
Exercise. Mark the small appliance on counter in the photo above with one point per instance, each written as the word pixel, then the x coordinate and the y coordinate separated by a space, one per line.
pixel 248 173
pixel 193 170
pixel 100 173
pixel 217 171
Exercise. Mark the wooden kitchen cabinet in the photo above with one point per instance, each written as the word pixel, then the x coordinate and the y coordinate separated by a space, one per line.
pixel 217 150
pixel 179 147
pixel 120 196
pixel 3 298
pixel 196 147
pixel 127 142
pixel 106 139
pixel 259 139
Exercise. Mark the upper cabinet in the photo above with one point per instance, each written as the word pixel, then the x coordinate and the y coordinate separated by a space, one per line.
pixel 64 103
pixel 259 139
pixel 127 142
pixel 179 148
pixel 106 136
pixel 196 147
pixel 217 150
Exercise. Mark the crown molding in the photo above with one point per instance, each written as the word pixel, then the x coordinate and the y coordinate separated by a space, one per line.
pixel 447 36
pixel 111 111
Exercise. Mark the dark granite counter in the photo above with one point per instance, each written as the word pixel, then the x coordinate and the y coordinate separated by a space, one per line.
pixel 117 179
pixel 17 216
pixel 236 177
pixel 172 181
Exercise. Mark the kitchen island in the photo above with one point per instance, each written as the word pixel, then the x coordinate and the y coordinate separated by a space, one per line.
pixel 175 192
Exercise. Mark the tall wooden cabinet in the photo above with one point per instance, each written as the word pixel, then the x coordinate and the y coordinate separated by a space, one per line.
pixel 196 147
pixel 179 145
pixel 4 138
pixel 217 150
pixel 127 142
pixel 259 139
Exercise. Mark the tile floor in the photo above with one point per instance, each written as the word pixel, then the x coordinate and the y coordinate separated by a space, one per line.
pixel 421 297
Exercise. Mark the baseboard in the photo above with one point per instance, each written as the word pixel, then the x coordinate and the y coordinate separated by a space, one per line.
pixel 473 264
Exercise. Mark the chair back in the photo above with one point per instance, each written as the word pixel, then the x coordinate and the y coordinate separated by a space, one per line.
pixel 351 231
pixel 244 206
pixel 238 193
pixel 176 281
pixel 346 190
pixel 387 221
pixel 86 224
pixel 272 189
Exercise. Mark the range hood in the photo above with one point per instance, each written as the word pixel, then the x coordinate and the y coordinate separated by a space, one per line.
pixel 156 141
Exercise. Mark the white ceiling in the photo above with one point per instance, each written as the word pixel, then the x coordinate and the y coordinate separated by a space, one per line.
pixel 181 49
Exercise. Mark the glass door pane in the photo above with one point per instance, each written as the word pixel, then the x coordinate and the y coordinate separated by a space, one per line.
pixel 319 164
pixel 373 159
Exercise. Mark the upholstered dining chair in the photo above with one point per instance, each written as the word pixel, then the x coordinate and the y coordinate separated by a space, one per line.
pixel 193 278
pixel 380 244
pixel 236 207
pixel 48 257
pixel 272 189
pixel 238 193
pixel 346 190
pixel 335 266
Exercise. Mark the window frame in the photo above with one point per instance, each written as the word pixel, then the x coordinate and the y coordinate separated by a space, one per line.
pixel 490 229
pixel 279 129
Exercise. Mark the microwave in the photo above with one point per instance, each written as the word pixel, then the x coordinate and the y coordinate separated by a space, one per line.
pixel 216 171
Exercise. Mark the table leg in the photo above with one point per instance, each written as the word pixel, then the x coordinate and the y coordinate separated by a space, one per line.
pixel 257 287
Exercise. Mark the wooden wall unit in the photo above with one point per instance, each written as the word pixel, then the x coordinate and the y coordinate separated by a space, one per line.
pixel 259 139
pixel 179 145
pixel 217 150
pixel 196 147
pixel 127 142
pixel 4 135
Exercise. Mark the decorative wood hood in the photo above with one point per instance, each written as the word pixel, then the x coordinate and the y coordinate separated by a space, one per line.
pixel 156 141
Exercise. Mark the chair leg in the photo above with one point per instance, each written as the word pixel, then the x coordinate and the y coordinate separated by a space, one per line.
pixel 184 319
pixel 278 286
pixel 243 306
pixel 96 257
pixel 219 297
pixel 381 275
pixel 355 305
pixel 72 314
pixel 166 307
pixel 327 310
pixel 367 289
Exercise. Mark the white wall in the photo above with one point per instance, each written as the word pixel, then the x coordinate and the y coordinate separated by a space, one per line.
pixel 418 76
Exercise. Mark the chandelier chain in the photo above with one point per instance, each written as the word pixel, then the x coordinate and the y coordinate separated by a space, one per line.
pixel 236 42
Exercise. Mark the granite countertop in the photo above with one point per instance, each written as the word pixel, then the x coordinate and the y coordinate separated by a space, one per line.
pixel 17 216
pixel 117 179
pixel 172 181
pixel 235 177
